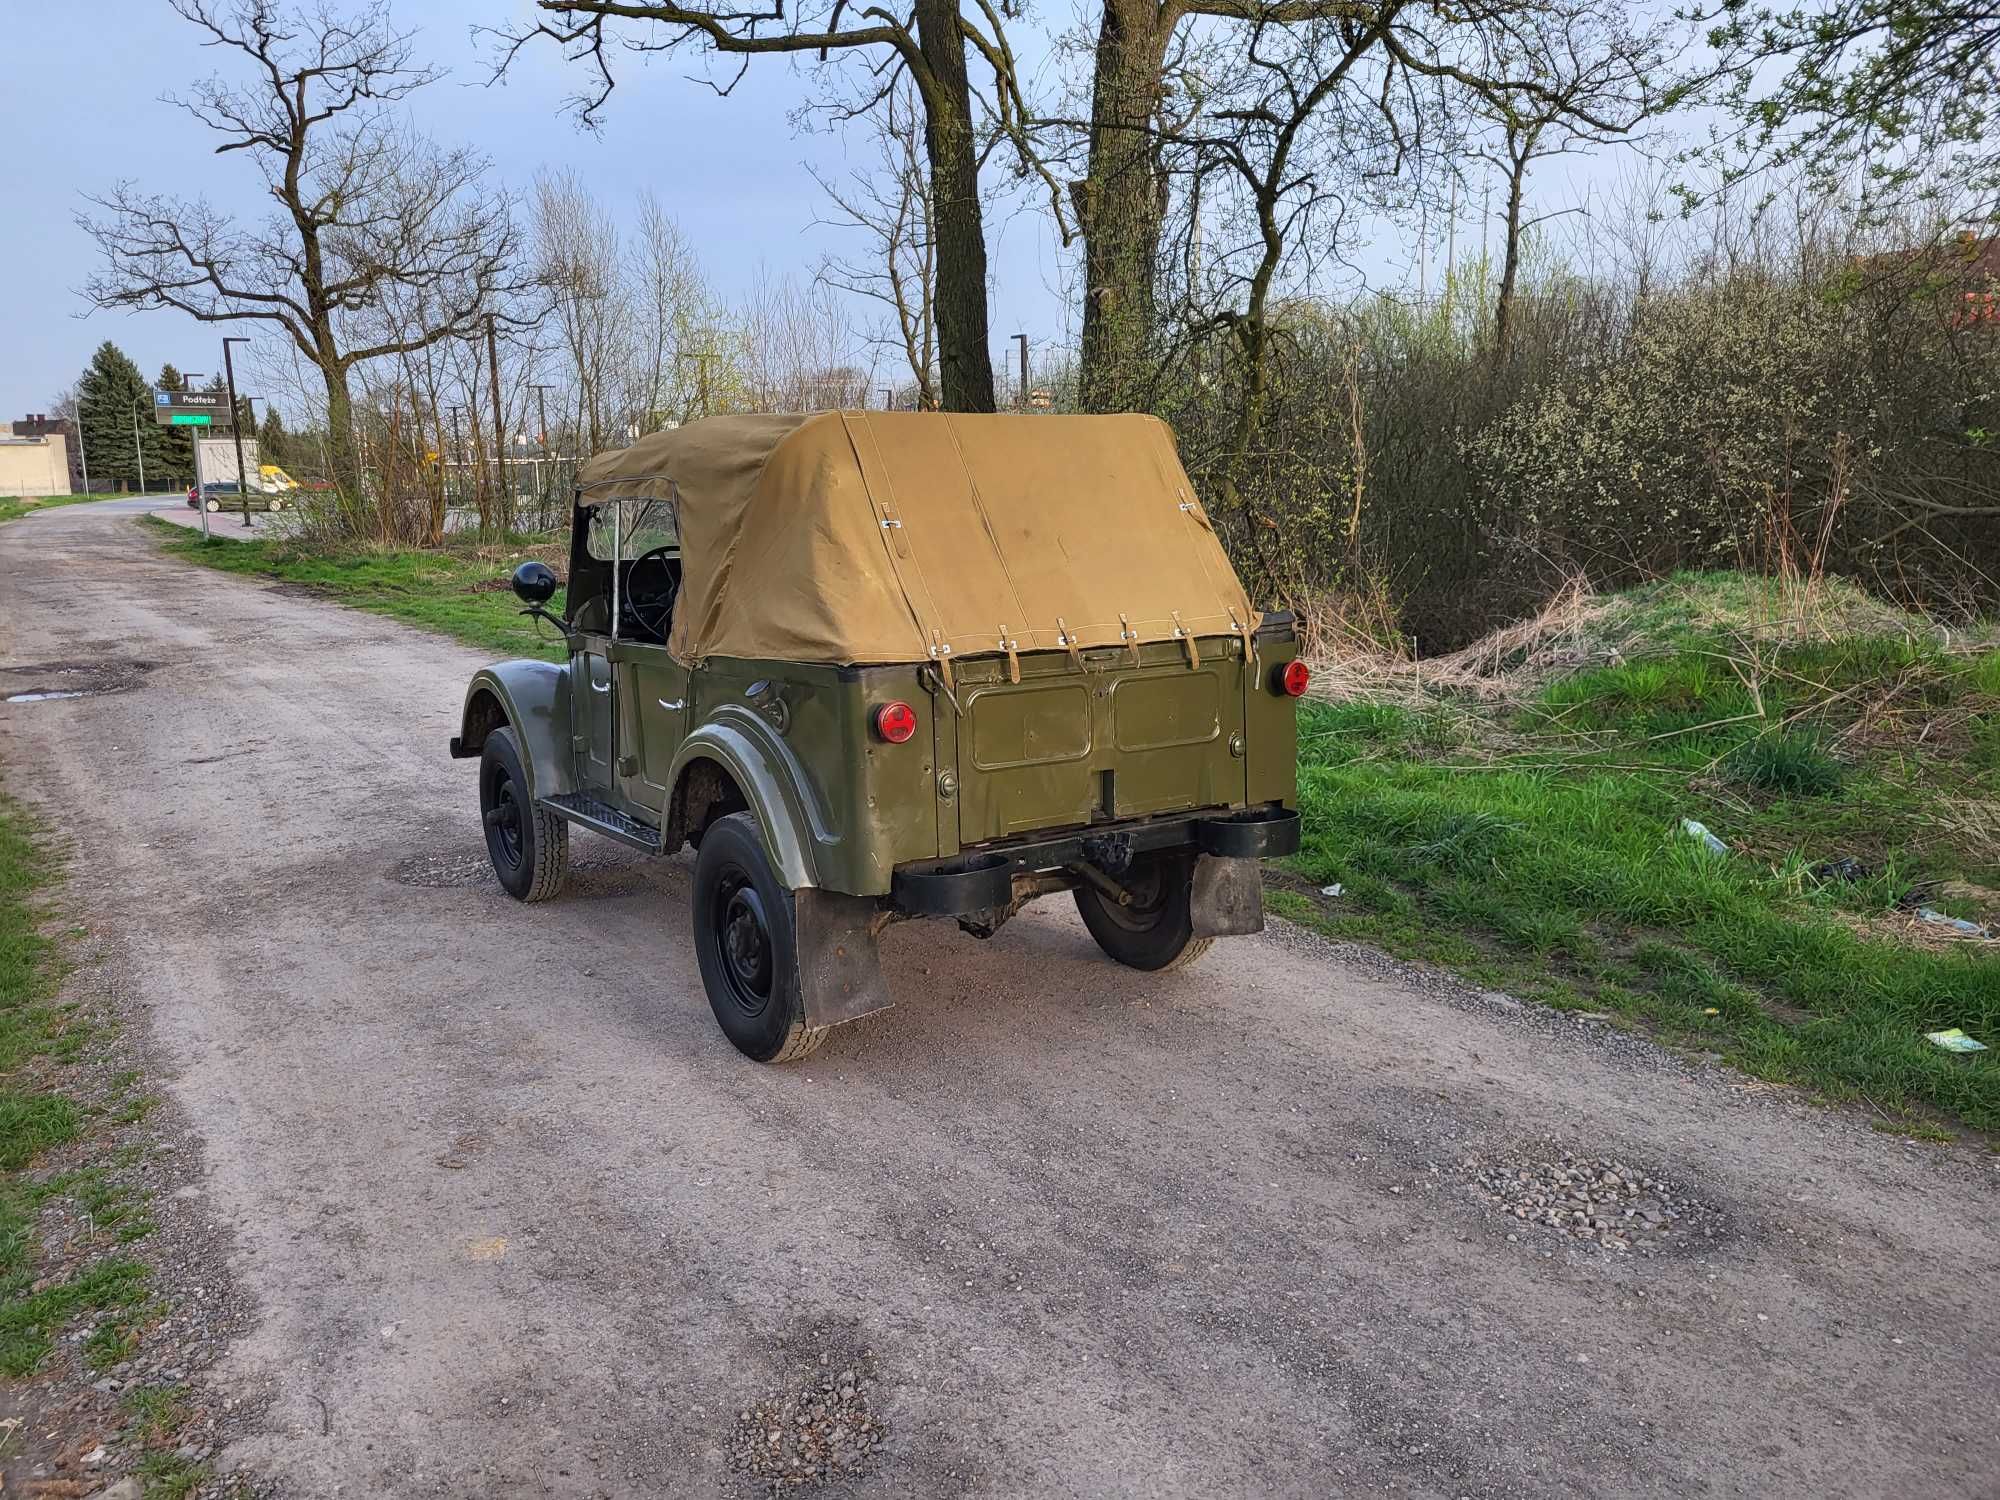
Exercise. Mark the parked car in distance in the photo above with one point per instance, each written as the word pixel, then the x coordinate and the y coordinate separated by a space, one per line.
pixel 875 666
pixel 224 494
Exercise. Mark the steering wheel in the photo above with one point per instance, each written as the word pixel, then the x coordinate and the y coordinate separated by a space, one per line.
pixel 650 586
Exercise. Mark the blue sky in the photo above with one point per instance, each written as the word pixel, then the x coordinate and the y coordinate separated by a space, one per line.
pixel 80 108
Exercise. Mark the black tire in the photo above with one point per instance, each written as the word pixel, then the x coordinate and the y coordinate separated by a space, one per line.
pixel 747 945
pixel 1156 932
pixel 529 847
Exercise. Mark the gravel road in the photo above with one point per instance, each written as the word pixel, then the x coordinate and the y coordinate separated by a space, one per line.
pixel 512 1218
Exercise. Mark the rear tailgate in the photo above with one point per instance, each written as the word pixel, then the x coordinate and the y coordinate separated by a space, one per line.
pixel 1071 744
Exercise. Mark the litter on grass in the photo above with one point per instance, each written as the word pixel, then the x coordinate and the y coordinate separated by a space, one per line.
pixel 1700 833
pixel 1954 1040
pixel 1956 924
pixel 1332 890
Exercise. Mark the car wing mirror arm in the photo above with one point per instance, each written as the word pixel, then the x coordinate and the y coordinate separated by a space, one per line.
pixel 569 634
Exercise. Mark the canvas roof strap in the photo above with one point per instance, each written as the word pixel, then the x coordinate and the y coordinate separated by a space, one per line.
pixel 1012 648
pixel 1186 637
pixel 941 654
pixel 1067 640
pixel 1130 637
pixel 1242 628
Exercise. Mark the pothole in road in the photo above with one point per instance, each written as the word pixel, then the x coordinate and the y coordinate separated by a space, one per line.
pixel 817 1427
pixel 1599 1201
pixel 50 681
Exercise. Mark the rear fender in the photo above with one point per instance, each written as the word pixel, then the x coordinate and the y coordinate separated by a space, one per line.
pixel 532 699
pixel 772 782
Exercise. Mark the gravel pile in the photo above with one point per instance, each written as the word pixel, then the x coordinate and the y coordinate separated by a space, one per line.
pixel 822 1431
pixel 1597 1199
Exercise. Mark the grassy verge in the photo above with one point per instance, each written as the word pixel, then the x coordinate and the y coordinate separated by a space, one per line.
pixel 37 1037
pixel 16 506
pixel 1537 843
pixel 460 591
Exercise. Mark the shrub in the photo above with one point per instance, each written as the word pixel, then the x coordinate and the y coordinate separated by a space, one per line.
pixel 1786 761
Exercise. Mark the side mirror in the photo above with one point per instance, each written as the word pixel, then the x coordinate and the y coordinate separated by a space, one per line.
pixel 535 583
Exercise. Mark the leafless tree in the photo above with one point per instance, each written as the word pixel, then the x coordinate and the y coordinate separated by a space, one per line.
pixel 892 208
pixel 362 205
pixel 929 48
pixel 789 351
pixel 1593 72
pixel 580 264
pixel 673 306
pixel 1123 199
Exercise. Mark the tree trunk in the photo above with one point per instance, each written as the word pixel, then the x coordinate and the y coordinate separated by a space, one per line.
pixel 1510 261
pixel 343 464
pixel 1119 207
pixel 964 358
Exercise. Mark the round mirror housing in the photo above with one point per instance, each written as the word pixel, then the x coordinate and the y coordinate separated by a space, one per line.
pixel 535 583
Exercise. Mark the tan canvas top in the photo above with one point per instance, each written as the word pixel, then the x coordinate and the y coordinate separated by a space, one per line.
pixel 860 537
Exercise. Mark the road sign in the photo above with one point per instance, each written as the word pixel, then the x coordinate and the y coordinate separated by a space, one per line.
pixel 191 409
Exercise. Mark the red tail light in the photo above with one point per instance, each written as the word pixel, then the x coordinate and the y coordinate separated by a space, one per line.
pixel 896 722
pixel 1291 679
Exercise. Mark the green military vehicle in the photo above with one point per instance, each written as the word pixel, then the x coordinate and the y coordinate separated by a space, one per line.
pixel 885 665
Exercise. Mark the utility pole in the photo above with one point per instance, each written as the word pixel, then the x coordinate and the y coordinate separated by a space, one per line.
pixel 456 446
pixel 1451 245
pixel 542 412
pixel 138 452
pixel 235 426
pixel 542 416
pixel 499 423
pixel 1021 395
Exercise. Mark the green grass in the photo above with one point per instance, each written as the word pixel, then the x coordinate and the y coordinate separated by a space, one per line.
pixel 168 1476
pixel 1544 853
pixel 460 592
pixel 35 1033
pixel 13 507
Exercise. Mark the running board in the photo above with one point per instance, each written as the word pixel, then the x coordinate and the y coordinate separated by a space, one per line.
pixel 601 817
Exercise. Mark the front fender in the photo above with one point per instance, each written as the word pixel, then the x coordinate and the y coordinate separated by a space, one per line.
pixel 532 699
pixel 772 782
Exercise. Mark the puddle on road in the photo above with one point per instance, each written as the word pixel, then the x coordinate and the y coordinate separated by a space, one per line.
pixel 50 680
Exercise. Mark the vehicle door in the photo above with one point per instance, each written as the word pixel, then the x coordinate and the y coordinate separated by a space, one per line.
pixel 649 688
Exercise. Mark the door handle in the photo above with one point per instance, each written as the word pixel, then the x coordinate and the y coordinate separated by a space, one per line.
pixel 674 707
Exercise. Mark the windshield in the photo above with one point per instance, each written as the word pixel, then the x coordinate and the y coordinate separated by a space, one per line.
pixel 640 526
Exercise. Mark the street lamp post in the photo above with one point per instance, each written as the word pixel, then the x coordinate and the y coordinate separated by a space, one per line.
pixel 188 378
pixel 235 426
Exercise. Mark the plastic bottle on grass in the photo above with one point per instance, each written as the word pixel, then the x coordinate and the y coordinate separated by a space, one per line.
pixel 1699 832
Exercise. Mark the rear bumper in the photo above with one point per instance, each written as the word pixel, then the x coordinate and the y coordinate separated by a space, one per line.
pixel 983 878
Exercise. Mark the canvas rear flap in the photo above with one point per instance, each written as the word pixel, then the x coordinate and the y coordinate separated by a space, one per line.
pixel 863 537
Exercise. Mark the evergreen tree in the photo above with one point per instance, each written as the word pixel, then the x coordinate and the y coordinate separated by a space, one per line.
pixel 173 445
pixel 272 438
pixel 111 390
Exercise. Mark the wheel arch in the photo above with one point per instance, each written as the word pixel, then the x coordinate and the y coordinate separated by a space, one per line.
pixel 761 787
pixel 532 699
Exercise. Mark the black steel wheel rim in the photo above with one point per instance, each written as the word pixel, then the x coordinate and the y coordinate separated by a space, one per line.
pixel 503 819
pixel 1148 886
pixel 743 942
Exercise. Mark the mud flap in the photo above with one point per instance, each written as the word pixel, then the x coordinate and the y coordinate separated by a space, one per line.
pixel 840 972
pixel 1228 897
